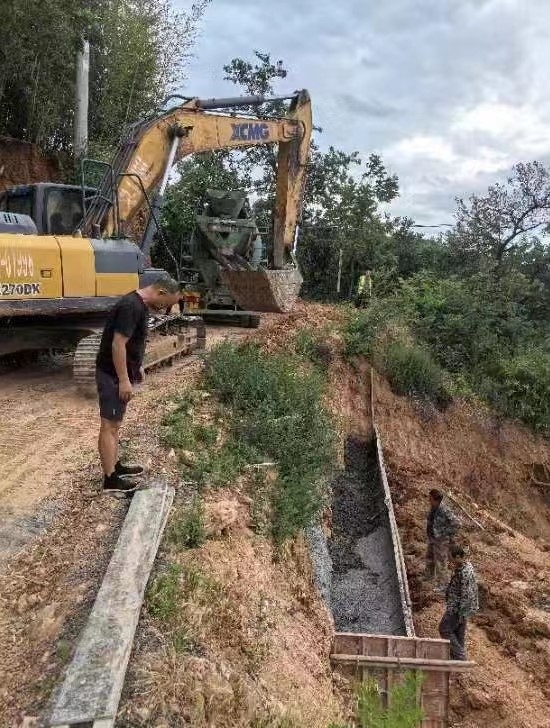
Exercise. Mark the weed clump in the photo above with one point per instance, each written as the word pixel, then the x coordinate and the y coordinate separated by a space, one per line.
pixel 384 336
pixel 402 710
pixel 412 371
pixel 187 530
pixel 277 413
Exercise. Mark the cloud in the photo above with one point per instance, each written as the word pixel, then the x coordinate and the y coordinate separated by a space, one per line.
pixel 367 107
pixel 451 93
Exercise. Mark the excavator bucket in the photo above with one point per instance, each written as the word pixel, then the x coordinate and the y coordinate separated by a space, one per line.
pixel 267 291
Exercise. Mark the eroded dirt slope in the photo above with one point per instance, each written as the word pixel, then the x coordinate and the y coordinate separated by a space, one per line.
pixel 486 466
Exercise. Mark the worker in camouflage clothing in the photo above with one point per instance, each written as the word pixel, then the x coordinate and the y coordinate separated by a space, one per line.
pixel 441 526
pixel 462 603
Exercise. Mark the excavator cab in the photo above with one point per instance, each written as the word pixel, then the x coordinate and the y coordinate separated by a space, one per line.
pixel 56 209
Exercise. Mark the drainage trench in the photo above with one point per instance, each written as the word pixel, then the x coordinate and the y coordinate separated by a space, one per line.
pixel 355 567
pixel 360 572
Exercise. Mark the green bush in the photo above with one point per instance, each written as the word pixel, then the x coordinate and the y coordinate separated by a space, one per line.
pixel 520 387
pixel 278 412
pixel 403 711
pixel 364 327
pixel 411 370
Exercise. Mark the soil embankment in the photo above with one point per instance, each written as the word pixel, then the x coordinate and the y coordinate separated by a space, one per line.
pixel 267 649
pixel 22 163
pixel 485 464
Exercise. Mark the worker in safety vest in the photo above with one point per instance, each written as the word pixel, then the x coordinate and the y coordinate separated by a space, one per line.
pixel 364 290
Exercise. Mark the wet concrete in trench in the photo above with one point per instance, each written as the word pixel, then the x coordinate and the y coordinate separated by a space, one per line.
pixel 364 592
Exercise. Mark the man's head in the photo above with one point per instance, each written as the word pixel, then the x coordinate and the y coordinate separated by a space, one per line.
pixel 161 294
pixel 436 496
pixel 458 555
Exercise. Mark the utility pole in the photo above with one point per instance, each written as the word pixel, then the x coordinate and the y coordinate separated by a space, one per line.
pixel 82 101
pixel 339 281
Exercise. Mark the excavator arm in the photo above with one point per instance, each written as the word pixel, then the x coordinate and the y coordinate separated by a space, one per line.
pixel 145 157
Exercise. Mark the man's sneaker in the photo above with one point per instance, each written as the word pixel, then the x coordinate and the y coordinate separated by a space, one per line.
pixel 124 471
pixel 115 484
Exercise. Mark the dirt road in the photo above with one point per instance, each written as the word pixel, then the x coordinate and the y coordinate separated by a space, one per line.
pixel 47 433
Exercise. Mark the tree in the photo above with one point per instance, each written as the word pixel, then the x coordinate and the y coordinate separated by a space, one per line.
pixel 38 43
pixel 341 211
pixel 508 218
pixel 139 49
pixel 139 57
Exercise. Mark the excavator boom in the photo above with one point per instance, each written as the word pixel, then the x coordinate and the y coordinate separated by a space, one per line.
pixel 151 147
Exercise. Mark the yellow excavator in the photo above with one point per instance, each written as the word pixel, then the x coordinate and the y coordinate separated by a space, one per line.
pixel 65 257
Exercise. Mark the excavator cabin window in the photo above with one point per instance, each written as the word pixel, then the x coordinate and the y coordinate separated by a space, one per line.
pixel 62 211
pixel 19 201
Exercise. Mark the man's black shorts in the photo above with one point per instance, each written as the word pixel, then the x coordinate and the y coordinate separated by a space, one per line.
pixel 110 406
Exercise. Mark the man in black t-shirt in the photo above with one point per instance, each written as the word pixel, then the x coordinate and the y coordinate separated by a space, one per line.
pixel 119 365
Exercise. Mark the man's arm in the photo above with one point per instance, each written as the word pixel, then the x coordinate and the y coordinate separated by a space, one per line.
pixel 468 594
pixel 452 522
pixel 119 361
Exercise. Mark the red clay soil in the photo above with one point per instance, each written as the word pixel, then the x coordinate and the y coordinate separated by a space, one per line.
pixel 24 163
pixel 485 465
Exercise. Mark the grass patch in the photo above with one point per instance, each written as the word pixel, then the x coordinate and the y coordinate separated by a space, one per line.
pixel 382 335
pixel 278 415
pixel 187 529
pixel 221 466
pixel 402 712
pixel 207 455
pixel 313 346
pixel 164 594
pixel 268 408
pixel 412 371
pixel 63 650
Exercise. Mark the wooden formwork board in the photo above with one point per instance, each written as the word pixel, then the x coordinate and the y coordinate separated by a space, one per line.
pixel 386 658
pixel 91 690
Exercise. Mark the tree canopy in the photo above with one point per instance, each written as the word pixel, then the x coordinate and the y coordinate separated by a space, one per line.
pixel 139 50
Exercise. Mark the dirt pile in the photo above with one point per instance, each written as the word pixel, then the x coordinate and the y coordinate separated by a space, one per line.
pixel 485 465
pixel 24 163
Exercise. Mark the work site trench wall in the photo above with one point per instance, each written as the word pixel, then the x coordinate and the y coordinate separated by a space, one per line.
pixel 359 570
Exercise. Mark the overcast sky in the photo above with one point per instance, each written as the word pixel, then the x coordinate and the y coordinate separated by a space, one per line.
pixel 451 93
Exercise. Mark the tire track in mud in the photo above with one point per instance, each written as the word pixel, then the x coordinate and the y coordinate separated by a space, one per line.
pixel 45 426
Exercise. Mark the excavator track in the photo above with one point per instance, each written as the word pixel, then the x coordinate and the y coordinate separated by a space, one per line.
pixel 170 337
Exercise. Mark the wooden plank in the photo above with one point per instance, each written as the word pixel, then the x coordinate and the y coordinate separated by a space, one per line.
pixel 403 663
pixel 94 679
pixel 394 637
